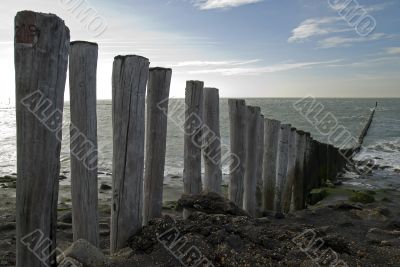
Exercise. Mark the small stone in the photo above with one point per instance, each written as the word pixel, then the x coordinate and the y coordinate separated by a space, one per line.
pixel 86 254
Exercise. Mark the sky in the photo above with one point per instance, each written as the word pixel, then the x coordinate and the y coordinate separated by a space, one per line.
pixel 245 48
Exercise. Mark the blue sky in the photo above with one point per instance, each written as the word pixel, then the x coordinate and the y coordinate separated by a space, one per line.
pixel 246 48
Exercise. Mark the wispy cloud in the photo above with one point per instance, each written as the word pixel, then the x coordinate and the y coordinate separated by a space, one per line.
pixel 331 26
pixel 393 50
pixel 222 4
pixel 262 70
pixel 214 63
pixel 346 6
pixel 347 41
pixel 316 27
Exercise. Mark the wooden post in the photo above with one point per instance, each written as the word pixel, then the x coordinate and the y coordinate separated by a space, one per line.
pixel 260 160
pixel 271 143
pixel 291 168
pixel 156 141
pixel 212 142
pixel 82 82
pixel 41 58
pixel 250 177
pixel 192 140
pixel 130 75
pixel 317 163
pixel 237 118
pixel 298 186
pixel 308 168
pixel 283 158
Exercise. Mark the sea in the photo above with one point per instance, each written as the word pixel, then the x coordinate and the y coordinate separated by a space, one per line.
pixel 382 143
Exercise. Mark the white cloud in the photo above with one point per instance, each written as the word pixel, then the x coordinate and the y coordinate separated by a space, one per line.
pixel 262 70
pixel 356 8
pixel 350 10
pixel 315 27
pixel 393 50
pixel 347 41
pixel 221 4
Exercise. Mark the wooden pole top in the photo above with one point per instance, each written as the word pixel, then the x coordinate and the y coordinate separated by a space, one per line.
pixel 160 69
pixel 82 43
pixel 123 57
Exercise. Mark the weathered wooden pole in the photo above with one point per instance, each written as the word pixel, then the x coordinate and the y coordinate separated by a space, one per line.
pixel 298 185
pixel 192 140
pixel 291 168
pixel 308 168
pixel 271 143
pixel 156 141
pixel 41 57
pixel 260 161
pixel 317 163
pixel 237 118
pixel 82 82
pixel 130 75
pixel 212 142
pixel 250 177
pixel 281 173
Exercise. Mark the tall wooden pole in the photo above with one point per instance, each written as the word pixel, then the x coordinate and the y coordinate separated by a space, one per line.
pixel 41 58
pixel 156 141
pixel 212 142
pixel 250 178
pixel 130 75
pixel 298 186
pixel 283 158
pixel 260 160
pixel 192 140
pixel 237 118
pixel 82 81
pixel 291 168
pixel 271 143
pixel 309 167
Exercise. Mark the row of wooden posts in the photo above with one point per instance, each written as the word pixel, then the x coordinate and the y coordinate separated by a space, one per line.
pixel 276 165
